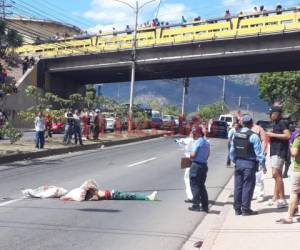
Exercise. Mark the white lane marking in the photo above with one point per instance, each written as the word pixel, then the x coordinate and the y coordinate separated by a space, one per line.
pixel 141 162
pixel 9 202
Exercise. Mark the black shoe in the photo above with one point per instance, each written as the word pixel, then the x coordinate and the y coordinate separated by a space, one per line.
pixel 188 201
pixel 238 212
pixel 204 209
pixel 249 212
pixel 195 208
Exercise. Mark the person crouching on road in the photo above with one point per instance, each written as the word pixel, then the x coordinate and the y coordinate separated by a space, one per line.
pixel 39 124
pixel 198 171
pixel 246 152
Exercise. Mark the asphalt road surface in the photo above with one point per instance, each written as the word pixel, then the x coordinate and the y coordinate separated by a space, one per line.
pixel 142 167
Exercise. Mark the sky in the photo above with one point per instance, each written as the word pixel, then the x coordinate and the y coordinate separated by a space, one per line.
pixel 95 15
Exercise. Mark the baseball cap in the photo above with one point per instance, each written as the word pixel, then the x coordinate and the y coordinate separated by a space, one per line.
pixel 247 119
pixel 274 109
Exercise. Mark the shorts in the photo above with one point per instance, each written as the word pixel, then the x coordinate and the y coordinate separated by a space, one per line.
pixel 295 183
pixel 277 162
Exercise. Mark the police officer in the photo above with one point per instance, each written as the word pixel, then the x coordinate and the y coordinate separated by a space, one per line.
pixel 246 152
pixel 198 172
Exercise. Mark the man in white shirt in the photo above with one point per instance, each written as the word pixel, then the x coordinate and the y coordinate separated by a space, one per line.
pixel 39 124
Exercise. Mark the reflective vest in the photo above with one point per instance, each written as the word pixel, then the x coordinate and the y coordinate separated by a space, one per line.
pixel 243 147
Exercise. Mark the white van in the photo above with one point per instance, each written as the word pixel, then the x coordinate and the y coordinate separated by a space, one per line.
pixel 229 119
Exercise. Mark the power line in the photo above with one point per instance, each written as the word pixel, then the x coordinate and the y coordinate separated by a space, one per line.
pixel 61 11
pixel 37 11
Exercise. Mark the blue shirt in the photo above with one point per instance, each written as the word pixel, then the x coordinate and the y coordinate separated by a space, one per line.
pixel 254 139
pixel 202 148
pixel 231 133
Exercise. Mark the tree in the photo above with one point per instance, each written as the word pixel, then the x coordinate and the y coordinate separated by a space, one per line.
pixel 211 111
pixel 171 110
pixel 14 39
pixel 281 86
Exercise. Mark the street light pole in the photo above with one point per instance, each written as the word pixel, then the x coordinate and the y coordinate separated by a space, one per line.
pixel 223 92
pixel 136 9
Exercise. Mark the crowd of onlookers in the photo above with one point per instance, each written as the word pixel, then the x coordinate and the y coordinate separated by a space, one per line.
pixel 76 125
pixel 158 23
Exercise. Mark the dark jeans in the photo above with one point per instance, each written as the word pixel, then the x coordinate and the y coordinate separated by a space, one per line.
pixel 39 139
pixel 244 183
pixel 77 133
pixel 68 133
pixel 96 132
pixel 228 155
pixel 198 174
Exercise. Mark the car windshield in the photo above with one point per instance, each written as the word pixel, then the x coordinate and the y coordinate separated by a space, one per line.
pixel 228 119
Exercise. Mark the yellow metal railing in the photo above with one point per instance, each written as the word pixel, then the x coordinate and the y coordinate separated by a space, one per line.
pixel 194 31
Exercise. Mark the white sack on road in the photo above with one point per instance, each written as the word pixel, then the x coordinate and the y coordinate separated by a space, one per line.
pixel 45 192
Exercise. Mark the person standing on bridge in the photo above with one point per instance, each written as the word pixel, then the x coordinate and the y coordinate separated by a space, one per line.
pixel 246 152
pixel 198 171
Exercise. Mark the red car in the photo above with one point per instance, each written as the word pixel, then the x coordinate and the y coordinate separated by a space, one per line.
pixel 58 127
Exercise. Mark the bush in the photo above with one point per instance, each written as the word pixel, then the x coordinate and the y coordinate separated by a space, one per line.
pixel 13 134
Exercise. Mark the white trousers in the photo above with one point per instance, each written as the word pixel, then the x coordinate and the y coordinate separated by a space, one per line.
pixel 188 191
pixel 259 190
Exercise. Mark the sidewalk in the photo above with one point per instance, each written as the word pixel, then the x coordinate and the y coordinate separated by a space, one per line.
pixel 223 230
pixel 25 148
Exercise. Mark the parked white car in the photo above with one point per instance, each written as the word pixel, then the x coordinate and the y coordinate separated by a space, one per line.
pixel 229 119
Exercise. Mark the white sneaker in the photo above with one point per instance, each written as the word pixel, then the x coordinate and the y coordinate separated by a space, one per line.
pixel 152 196
pixel 281 204
pixel 271 202
pixel 260 199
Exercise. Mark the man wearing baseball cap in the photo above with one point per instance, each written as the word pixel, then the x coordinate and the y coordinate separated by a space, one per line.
pixel 246 152
pixel 198 171
pixel 279 146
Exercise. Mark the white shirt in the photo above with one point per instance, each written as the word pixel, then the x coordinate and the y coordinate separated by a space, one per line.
pixel 39 124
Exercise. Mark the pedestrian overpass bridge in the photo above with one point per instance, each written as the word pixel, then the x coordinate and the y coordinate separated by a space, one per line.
pixel 257 42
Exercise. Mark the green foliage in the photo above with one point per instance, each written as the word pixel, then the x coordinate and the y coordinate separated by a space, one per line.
pixel 211 111
pixel 171 110
pixel 28 114
pixel 2 28
pixel 13 134
pixel 156 104
pixel 283 86
pixel 14 39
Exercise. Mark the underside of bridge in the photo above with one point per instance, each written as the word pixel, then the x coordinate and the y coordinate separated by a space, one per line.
pixel 276 52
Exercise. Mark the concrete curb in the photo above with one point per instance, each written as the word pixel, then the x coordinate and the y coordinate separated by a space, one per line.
pixel 70 149
pixel 207 230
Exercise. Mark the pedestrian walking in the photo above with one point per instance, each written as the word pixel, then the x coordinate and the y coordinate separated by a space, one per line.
pixel 279 147
pixel 198 171
pixel 77 127
pixel 246 152
pixel 39 124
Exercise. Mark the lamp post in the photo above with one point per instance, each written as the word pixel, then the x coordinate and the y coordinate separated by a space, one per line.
pixel 136 9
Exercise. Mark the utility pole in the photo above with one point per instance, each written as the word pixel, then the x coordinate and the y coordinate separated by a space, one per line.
pixel 186 84
pixel 223 92
pixel 136 9
pixel 3 7
pixel 240 99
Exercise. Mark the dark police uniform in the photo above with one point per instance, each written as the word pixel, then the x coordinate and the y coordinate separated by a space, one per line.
pixel 246 152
